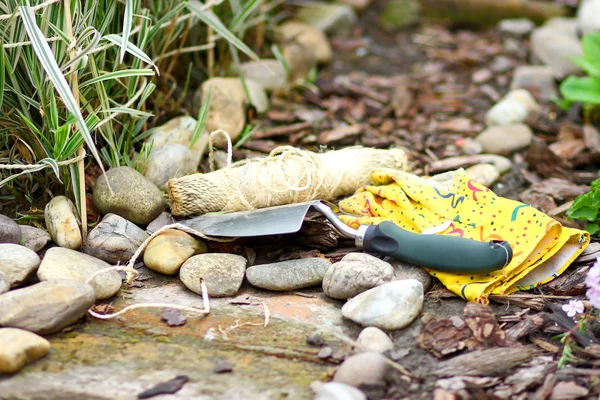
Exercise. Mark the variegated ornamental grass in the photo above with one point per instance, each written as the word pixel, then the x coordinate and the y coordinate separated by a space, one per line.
pixel 85 73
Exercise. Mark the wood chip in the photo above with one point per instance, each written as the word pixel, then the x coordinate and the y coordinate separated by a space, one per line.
pixel 591 136
pixel 282 130
pixel 340 133
pixel 560 189
pixel 487 362
pixel 482 322
pixel 530 324
pixel 545 390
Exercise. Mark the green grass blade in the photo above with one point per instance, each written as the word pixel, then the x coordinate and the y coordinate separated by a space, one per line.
pixel 279 57
pixel 118 75
pixel 201 122
pixel 211 19
pixel 127 22
pixel 46 58
pixel 2 71
pixel 132 49
pixel 250 7
pixel 53 164
pixel 166 18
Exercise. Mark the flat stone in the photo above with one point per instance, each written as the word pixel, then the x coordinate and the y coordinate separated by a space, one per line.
pixel 134 197
pixel 566 25
pixel 556 49
pixel 339 391
pixel 62 223
pixel 270 74
pixel 9 230
pixel 34 238
pixel 328 18
pixel 289 275
pixel 17 263
pixel 505 139
pixel 19 348
pixel 390 306
pixel 46 307
pixel 222 273
pixel 587 16
pixel 354 274
pixel 61 264
pixel 307 35
pixel 180 130
pixel 374 339
pixel 114 239
pixel 169 161
pixel 516 26
pixel 404 270
pixel 169 250
pixel 516 107
pixel 537 79
pixel 363 368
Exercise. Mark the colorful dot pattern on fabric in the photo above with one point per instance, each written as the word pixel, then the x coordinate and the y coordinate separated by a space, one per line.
pixel 542 247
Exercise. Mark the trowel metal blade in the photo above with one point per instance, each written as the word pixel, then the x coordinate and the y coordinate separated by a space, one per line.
pixel 261 222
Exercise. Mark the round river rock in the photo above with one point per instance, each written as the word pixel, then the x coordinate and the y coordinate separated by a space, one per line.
pixel 222 273
pixel 289 275
pixel 133 196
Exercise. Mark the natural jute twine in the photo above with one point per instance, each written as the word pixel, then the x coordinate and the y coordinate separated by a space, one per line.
pixel 288 175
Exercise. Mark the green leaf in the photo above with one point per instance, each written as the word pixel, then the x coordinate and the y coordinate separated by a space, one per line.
pixel 279 57
pixel 591 49
pixel 589 67
pixel 52 163
pixel 585 90
pixel 118 75
pixel 211 19
pixel 46 58
pixel 249 8
pixel 592 228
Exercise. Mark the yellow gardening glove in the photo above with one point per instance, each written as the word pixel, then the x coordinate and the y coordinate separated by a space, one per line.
pixel 454 204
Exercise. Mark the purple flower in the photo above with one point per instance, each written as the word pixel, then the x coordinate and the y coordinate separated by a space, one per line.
pixel 593 283
pixel 573 308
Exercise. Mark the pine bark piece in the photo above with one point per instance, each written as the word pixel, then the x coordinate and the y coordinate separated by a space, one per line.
pixel 482 322
pixel 443 336
pixel 486 362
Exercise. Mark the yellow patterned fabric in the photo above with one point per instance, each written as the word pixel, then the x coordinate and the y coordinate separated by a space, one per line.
pixel 455 204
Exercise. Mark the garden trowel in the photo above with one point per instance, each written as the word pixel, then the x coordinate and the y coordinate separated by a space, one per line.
pixel 437 252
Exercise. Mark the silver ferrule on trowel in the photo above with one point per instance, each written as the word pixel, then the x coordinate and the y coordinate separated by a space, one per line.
pixel 344 230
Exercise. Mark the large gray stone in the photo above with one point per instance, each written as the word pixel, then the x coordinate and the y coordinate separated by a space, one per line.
pixel 17 263
pixel 9 230
pixel 289 275
pixel 34 238
pixel 588 20
pixel 169 161
pixel 556 49
pixel 62 223
pixel 133 197
pixel 222 273
pixel 64 264
pixel 354 274
pixel 270 74
pixel 404 270
pixel 46 307
pixel 19 348
pixel 390 306
pixel 114 239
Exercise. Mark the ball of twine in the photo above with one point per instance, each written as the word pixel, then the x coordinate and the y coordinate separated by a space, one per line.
pixel 288 175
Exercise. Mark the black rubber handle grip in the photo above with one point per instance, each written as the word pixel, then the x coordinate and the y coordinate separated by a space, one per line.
pixel 438 252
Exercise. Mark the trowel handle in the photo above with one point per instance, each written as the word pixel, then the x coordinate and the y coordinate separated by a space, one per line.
pixel 438 252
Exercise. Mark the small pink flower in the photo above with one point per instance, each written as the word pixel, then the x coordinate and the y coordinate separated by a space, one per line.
pixel 593 283
pixel 573 308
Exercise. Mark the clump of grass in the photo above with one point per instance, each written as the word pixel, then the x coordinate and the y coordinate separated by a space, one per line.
pixel 96 74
